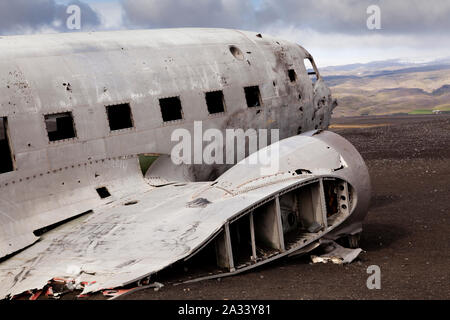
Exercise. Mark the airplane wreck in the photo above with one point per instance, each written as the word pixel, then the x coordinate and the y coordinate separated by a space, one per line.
pixel 80 113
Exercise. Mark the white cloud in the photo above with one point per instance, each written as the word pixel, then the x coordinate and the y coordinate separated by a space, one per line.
pixel 330 48
pixel 39 16
pixel 188 13
pixel 334 32
pixel 110 14
pixel 350 16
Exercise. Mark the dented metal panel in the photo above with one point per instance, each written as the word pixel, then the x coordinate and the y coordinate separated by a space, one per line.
pixel 140 234
pixel 133 226
pixel 82 73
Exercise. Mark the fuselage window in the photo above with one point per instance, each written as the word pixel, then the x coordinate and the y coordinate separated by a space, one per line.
pixel 60 126
pixel 253 96
pixel 311 69
pixel 215 102
pixel 6 158
pixel 171 109
pixel 119 116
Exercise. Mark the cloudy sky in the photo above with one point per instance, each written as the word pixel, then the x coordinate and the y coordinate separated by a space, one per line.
pixel 335 32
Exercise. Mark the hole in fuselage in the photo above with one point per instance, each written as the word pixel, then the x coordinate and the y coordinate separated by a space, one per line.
pixel 103 193
pixel 119 116
pixel 145 162
pixel 215 102
pixel 60 126
pixel 171 109
pixel 6 158
pixel 253 96
pixel 236 52
pixel 292 75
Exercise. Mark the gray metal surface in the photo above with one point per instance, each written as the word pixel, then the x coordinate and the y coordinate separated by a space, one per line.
pixel 84 72
pixel 120 243
pixel 147 224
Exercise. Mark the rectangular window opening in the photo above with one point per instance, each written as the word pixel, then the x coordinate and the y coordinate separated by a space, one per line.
pixel 171 109
pixel 253 96
pixel 292 75
pixel 6 157
pixel 312 70
pixel 119 116
pixel 215 102
pixel 60 126
pixel 103 192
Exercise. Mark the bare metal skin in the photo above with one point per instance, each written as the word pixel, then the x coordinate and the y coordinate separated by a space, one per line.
pixel 82 74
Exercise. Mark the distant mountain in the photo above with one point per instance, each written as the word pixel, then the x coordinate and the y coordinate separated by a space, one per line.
pixel 405 91
pixel 334 80
pixel 392 86
pixel 365 66
pixel 385 67
pixel 445 89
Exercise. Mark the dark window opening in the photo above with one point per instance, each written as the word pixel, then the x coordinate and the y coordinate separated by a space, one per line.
pixel 292 75
pixel 103 192
pixel 215 102
pixel 6 158
pixel 253 97
pixel 119 116
pixel 60 126
pixel 171 109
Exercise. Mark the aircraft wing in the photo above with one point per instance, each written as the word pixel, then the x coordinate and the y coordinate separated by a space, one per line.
pixel 136 236
pixel 124 242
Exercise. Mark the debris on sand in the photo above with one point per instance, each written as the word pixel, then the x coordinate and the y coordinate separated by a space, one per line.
pixel 336 253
